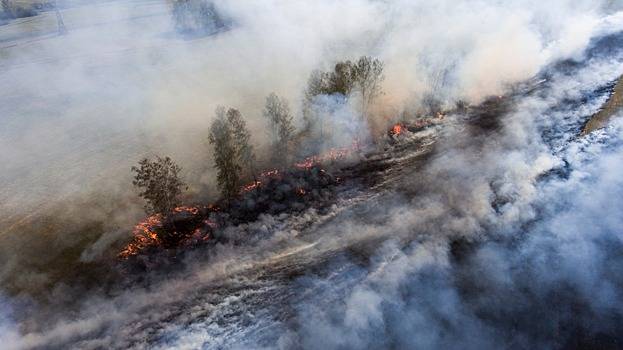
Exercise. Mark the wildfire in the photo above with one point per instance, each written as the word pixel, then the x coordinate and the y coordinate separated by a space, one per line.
pixel 144 236
pixel 250 187
pixel 192 210
pixel 330 156
pixel 270 173
pixel 146 232
pixel 396 129
pixel 262 177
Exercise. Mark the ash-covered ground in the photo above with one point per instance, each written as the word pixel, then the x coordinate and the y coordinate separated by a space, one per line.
pixel 497 226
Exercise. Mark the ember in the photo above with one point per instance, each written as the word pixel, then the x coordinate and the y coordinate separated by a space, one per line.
pixel 144 236
pixel 250 187
pixel 332 155
pixel 397 129
pixel 192 210
pixel 181 226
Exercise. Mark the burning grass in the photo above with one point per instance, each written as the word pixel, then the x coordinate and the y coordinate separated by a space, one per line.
pixel 183 226
pixel 273 191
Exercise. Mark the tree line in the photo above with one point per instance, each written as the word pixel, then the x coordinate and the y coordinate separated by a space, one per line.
pixel 159 181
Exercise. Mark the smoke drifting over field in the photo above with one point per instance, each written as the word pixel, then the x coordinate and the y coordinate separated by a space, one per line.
pixel 123 84
pixel 506 236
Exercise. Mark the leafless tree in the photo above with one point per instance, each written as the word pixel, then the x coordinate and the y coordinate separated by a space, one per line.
pixel 228 168
pixel 364 76
pixel 277 112
pixel 242 142
pixel 367 76
pixel 233 153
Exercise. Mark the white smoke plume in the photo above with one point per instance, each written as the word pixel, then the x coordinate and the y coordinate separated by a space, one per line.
pixel 79 110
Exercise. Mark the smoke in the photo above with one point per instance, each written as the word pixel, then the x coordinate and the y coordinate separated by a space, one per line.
pixel 8 330
pixel 488 249
pixel 557 285
pixel 519 257
pixel 83 107
pixel 338 123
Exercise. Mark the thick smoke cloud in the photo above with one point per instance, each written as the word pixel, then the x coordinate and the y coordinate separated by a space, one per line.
pixel 122 85
pixel 505 251
pixel 519 257
pixel 558 286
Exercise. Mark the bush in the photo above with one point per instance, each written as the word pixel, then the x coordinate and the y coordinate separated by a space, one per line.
pixel 196 16
pixel 159 183
pixel 10 10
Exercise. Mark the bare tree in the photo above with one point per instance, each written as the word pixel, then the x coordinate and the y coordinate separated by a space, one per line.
pixel 232 150
pixel 277 111
pixel 242 138
pixel 159 183
pixel 338 81
pixel 226 162
pixel 367 75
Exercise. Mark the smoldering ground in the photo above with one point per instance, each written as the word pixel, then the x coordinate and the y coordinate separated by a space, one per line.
pixel 429 293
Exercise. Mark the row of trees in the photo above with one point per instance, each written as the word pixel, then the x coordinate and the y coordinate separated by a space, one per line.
pixel 159 181
pixel 363 76
pixel 230 138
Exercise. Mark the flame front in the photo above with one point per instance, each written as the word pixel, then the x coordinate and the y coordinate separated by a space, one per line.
pixel 330 156
pixel 144 236
pixel 146 232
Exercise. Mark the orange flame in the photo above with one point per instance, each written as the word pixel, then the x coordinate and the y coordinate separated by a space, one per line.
pixel 250 187
pixel 144 236
pixel 192 210
pixel 397 129
pixel 331 155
